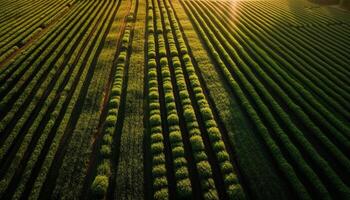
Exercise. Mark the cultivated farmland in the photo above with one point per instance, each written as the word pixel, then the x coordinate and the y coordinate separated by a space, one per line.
pixel 174 99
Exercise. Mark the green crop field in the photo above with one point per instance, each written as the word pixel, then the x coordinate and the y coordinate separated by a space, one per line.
pixel 175 99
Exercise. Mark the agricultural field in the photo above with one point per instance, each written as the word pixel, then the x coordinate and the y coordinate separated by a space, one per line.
pixel 175 99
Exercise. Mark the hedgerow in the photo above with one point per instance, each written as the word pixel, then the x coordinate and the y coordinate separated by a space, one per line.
pixel 204 109
pixel 160 183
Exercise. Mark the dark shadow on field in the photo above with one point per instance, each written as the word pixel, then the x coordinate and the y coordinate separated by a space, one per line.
pixel 297 24
pixel 303 20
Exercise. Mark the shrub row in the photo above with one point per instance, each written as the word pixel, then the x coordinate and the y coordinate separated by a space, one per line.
pixel 196 141
pixel 320 63
pixel 9 11
pixel 4 71
pixel 28 28
pixel 54 18
pixel 159 172
pixel 296 109
pixel 233 187
pixel 290 61
pixel 183 183
pixel 274 149
pixel 23 69
pixel 8 53
pixel 35 10
pixel 101 182
pixel 307 66
pixel 329 58
pixel 29 37
pixel 65 96
pixel 11 115
pixel 292 129
pixel 317 110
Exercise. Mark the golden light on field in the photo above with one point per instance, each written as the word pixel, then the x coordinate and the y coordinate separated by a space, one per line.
pixel 174 99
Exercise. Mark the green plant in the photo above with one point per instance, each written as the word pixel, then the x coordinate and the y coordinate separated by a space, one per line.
pixel 100 185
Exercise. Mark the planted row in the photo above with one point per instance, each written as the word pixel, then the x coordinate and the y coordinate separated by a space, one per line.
pixel 183 184
pixel 159 170
pixel 65 86
pixel 271 144
pixel 289 63
pixel 101 182
pixel 303 110
pixel 227 53
pixel 196 142
pixel 233 187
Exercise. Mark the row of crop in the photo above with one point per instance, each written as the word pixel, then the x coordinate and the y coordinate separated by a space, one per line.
pixel 282 163
pixel 292 129
pixel 196 142
pixel 321 22
pixel 13 135
pixel 327 113
pixel 43 109
pixel 329 38
pixel 321 31
pixel 333 56
pixel 57 16
pixel 268 72
pixel 133 11
pixel 8 53
pixel 339 98
pixel 12 9
pixel 28 62
pixel 76 88
pixel 19 106
pixel 291 65
pixel 76 144
pixel 7 10
pixel 183 183
pixel 53 114
pixel 38 14
pixel 310 51
pixel 29 69
pixel 131 157
pixel 101 181
pixel 27 30
pixel 159 170
pixel 233 187
pixel 295 56
pixel 35 10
